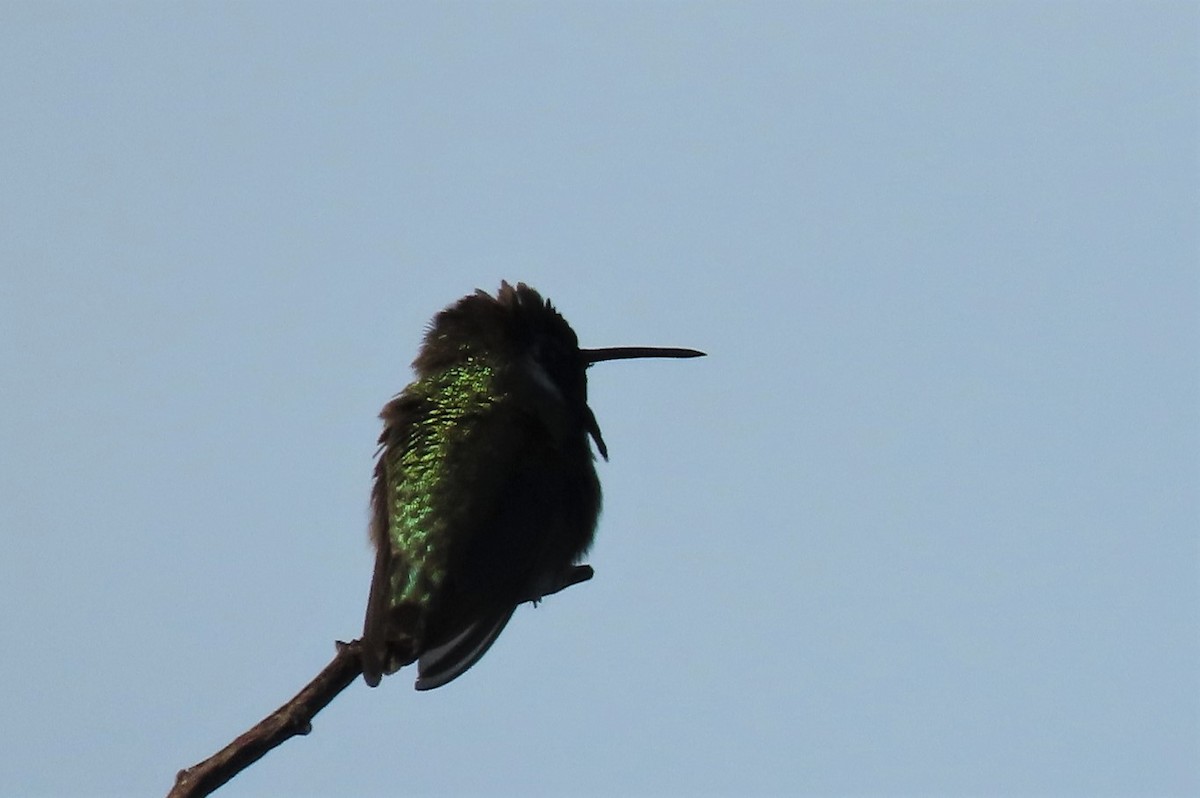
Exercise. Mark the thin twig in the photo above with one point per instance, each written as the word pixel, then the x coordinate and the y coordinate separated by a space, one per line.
pixel 294 717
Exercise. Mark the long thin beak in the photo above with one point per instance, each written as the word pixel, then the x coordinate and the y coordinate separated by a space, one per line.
pixel 591 356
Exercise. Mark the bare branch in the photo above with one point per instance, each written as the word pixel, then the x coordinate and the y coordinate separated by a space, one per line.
pixel 294 717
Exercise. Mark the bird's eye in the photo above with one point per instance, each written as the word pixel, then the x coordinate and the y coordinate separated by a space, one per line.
pixel 560 362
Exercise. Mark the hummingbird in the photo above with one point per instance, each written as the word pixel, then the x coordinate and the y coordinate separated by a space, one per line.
pixel 485 493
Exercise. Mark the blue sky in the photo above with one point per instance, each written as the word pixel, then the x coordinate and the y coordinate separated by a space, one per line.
pixel 925 521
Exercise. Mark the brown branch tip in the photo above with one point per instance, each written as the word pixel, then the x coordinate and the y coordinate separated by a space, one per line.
pixel 293 718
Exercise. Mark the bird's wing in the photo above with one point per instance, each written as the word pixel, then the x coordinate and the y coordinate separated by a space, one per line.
pixel 416 525
pixel 373 642
pixel 381 651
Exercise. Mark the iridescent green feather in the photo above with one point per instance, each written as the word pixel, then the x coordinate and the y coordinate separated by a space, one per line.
pixel 422 513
